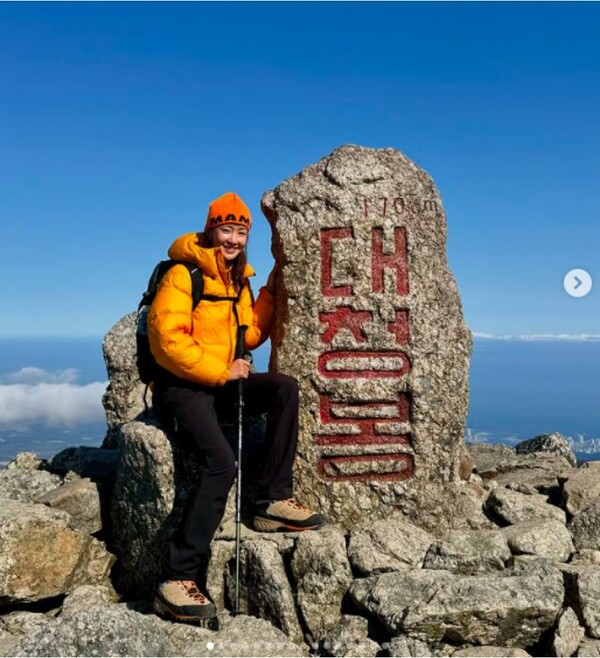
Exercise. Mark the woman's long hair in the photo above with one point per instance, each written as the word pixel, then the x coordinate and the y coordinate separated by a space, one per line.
pixel 238 266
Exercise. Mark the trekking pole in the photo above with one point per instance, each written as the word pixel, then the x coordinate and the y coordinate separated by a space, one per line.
pixel 239 354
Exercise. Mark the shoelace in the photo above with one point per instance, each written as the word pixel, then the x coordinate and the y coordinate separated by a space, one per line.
pixel 191 589
pixel 294 503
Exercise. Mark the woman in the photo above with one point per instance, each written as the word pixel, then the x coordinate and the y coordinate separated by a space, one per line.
pixel 196 349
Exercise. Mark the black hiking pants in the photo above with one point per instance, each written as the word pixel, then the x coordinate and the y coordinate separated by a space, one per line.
pixel 194 412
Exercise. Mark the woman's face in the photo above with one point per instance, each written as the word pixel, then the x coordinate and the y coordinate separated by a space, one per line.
pixel 231 239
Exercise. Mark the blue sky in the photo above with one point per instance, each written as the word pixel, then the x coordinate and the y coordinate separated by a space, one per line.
pixel 119 122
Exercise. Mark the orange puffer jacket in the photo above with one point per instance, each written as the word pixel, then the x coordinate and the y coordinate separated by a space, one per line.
pixel 199 346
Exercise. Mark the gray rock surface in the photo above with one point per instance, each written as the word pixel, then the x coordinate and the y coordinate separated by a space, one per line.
pixel 97 464
pixel 87 597
pixel 265 589
pixel 582 489
pixel 554 443
pixel 540 471
pixel 589 648
pixel 568 634
pixel 26 484
pixel 387 545
pixel 505 610
pixel 585 528
pixel 42 556
pixel 469 552
pixel 487 651
pixel 583 585
pixel 545 538
pixel 488 456
pixel 350 637
pixel 512 507
pixel 370 323
pixel 142 506
pixel 25 460
pixel 80 498
pixel 405 646
pixel 237 636
pixel 110 631
pixel 124 398
pixel 322 577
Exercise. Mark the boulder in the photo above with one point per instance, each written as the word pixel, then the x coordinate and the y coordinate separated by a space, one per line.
pixel 512 609
pixel 387 545
pixel 97 464
pixel 221 554
pixel 589 648
pixel 80 498
pixel 322 577
pixel 87 597
pixel 582 489
pixel 143 506
pixel 124 397
pixel 265 589
pixel 26 484
pixel 25 460
pixel 107 631
pixel 512 507
pixel 585 528
pixel 350 637
pixel 540 471
pixel 237 636
pixel 568 634
pixel 370 323
pixel 408 647
pixel 583 587
pixel 488 456
pixel 469 552
pixel 42 556
pixel 554 443
pixel 544 538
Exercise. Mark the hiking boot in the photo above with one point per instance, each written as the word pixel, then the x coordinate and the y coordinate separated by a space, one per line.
pixel 181 600
pixel 282 515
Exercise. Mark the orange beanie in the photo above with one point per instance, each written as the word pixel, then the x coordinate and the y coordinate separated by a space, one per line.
pixel 228 209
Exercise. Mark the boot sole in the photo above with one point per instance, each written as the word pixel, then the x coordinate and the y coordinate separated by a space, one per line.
pixel 270 525
pixel 163 610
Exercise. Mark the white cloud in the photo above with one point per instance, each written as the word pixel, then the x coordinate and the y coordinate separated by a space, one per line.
pixel 32 376
pixel 539 337
pixel 33 395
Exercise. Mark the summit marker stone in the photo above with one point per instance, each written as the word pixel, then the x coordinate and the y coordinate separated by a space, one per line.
pixel 370 323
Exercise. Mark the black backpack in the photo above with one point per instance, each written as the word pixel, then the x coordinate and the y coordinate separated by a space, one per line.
pixel 148 370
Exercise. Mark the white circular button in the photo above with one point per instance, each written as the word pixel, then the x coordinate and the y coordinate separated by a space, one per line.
pixel 577 283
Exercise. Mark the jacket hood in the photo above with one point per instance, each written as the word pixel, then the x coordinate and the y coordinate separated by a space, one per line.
pixel 209 259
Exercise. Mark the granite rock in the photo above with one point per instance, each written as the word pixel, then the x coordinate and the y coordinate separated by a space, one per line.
pixel 582 489
pixel 124 397
pixel 568 634
pixel 370 323
pixel 554 443
pixel 469 552
pixel 512 507
pixel 544 538
pixel 322 577
pixel 42 556
pixel 80 498
pixel 387 545
pixel 108 631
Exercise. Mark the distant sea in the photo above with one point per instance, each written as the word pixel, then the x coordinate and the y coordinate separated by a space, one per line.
pixel 51 389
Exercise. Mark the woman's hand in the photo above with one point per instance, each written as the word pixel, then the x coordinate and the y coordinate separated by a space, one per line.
pixel 240 369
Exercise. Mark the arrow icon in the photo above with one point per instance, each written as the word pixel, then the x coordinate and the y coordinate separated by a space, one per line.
pixel 577 283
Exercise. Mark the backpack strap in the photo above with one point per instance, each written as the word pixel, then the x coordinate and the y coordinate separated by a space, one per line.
pixel 197 282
